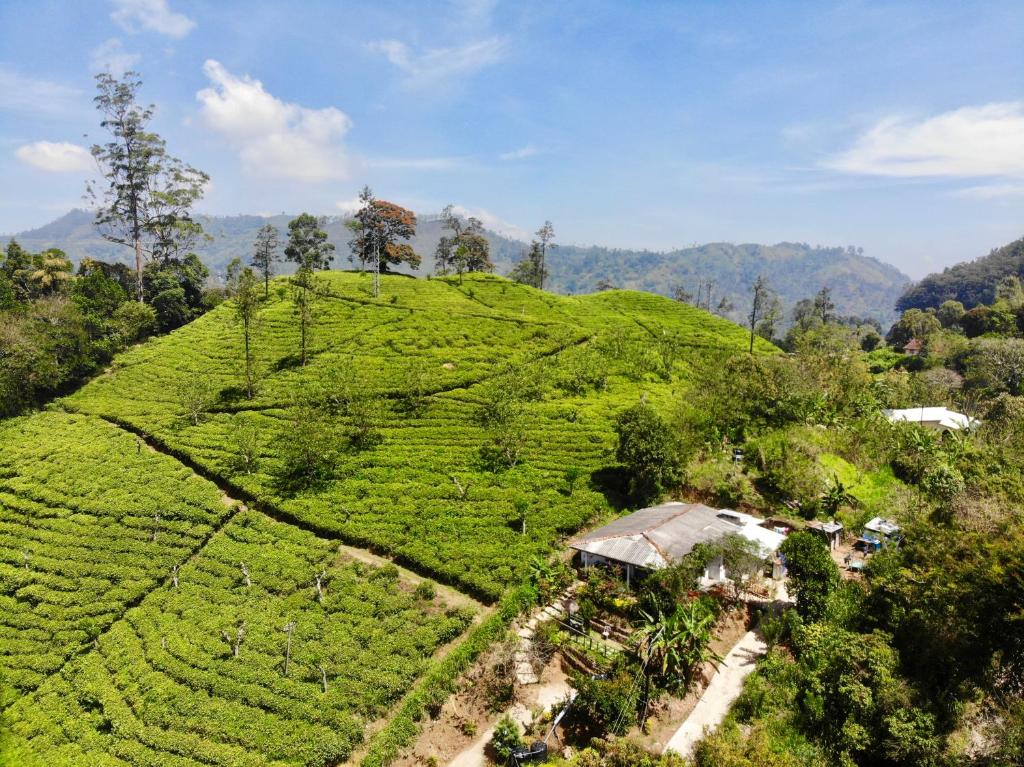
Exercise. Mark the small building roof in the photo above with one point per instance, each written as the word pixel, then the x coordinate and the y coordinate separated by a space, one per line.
pixel 825 527
pixel 934 416
pixel 913 345
pixel 882 526
pixel 659 536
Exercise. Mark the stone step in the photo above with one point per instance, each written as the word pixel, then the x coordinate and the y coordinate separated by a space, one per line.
pixel 525 633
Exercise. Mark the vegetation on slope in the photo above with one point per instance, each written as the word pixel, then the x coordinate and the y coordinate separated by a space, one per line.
pixel 440 405
pixel 90 522
pixel 450 421
pixel 196 673
pixel 971 283
pixel 862 285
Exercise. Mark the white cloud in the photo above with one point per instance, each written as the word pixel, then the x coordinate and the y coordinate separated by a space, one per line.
pixel 349 207
pixel 55 157
pixel 492 222
pixel 990 191
pixel 519 154
pixel 970 142
pixel 110 56
pixel 154 15
pixel 441 63
pixel 274 138
pixel 26 94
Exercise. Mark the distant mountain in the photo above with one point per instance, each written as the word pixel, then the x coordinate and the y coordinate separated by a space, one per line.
pixel 860 285
pixel 971 283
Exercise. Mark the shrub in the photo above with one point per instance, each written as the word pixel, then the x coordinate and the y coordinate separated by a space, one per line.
pixel 506 739
pixel 425 591
pixel 813 576
pixel 650 451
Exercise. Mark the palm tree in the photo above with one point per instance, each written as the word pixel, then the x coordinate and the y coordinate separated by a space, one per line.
pixel 672 646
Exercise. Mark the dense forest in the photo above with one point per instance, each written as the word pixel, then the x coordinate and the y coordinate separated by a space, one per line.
pixel 971 283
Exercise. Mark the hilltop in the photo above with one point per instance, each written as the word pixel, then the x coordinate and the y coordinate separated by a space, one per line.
pixel 155 554
pixel 971 282
pixel 861 285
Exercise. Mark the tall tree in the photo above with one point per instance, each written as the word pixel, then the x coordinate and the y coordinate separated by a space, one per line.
pixel 149 194
pixel 824 306
pixel 247 304
pixel 529 270
pixel 760 300
pixel 308 247
pixel 466 250
pixel 305 292
pixel 379 227
pixel 545 235
pixel 265 254
pixel 307 243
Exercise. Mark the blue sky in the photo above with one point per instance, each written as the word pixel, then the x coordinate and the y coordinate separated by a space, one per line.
pixel 898 127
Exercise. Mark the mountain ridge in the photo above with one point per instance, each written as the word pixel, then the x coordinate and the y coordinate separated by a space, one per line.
pixel 861 285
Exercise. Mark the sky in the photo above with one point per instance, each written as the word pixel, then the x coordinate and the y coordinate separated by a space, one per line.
pixel 896 127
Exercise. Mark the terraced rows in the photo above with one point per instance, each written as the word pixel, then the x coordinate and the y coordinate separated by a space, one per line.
pixel 89 523
pixel 591 356
pixel 164 686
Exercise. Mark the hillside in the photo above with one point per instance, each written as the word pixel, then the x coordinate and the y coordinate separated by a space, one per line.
pixel 971 283
pixel 860 285
pixel 148 573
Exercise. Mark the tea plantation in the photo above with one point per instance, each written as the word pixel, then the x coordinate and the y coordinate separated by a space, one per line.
pixel 419 363
pixel 147 617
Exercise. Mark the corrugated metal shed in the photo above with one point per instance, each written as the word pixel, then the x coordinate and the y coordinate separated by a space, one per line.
pixel 661 535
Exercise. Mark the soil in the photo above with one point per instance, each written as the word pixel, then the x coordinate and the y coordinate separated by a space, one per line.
pixel 467 715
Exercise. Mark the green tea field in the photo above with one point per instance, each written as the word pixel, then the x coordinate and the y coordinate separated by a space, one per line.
pixel 171 595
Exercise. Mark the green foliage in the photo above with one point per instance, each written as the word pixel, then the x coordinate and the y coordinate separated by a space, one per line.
pixel 970 283
pixel 650 452
pixel 813 576
pixel 173 687
pixel 670 647
pixel 91 521
pixel 852 695
pixel 608 704
pixel 398 496
pixel 738 395
pixel 506 739
pixel 787 460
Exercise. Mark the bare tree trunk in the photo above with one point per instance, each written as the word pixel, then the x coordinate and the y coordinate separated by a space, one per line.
pixel 323 679
pixel 320 587
pixel 289 627
pixel 138 268
pixel 248 360
pixel 376 269
pixel 245 574
pixel 174 576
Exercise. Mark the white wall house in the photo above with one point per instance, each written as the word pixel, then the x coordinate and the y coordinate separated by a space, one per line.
pixel 656 537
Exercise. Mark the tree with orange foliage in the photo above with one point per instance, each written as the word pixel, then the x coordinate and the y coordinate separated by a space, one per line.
pixel 379 226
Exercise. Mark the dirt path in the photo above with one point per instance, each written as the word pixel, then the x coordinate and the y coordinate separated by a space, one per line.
pixel 450 596
pixel 544 696
pixel 725 687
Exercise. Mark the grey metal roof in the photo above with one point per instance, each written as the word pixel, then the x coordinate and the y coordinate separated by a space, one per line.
pixel 826 527
pixel 658 536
